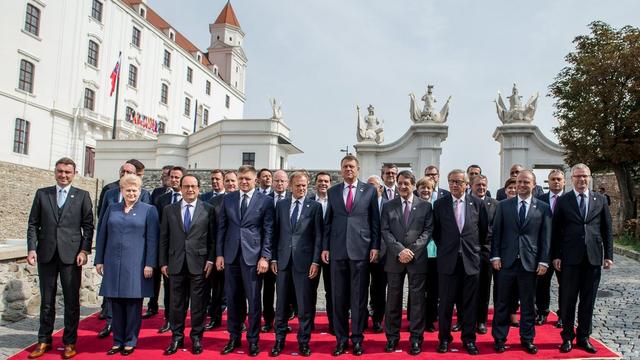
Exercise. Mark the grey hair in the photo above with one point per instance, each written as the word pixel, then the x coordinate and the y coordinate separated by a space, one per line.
pixel 580 166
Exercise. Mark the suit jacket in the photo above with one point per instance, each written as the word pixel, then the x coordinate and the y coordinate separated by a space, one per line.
pixel 537 192
pixel 113 196
pixel 574 237
pixel 287 195
pixel 216 202
pixel 491 205
pixel 350 236
pixel 450 240
pixel 397 236
pixel 157 192
pixel 208 196
pixel 302 244
pixel 163 201
pixel 530 241
pixel 67 231
pixel 107 187
pixel 385 195
pixel 253 233
pixel 196 247
pixel 441 193
pixel 470 192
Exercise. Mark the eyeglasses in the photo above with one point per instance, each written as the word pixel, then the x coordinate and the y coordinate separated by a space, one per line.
pixel 189 186
pixel 431 174
pixel 456 182
pixel 279 181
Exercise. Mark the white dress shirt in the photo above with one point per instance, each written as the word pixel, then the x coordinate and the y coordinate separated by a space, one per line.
pixel 586 200
pixel 249 194
pixel 183 208
pixel 293 206
pixel 323 201
pixel 345 191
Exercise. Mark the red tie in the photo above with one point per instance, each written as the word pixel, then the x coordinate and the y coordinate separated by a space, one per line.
pixel 349 199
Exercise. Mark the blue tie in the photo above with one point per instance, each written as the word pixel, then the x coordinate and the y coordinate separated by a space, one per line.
pixel 243 205
pixel 175 197
pixel 523 212
pixel 62 197
pixel 583 207
pixel 187 218
pixel 294 215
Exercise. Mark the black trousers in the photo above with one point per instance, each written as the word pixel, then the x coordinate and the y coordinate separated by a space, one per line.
pixel 268 296
pixel 215 291
pixel 450 285
pixel 484 291
pixel 578 281
pixel 126 321
pixel 325 273
pixel 393 311
pixel 349 281
pixel 543 291
pixel 303 289
pixel 525 281
pixel 242 285
pixel 184 287
pixel 70 275
pixel 431 305
pixel 158 280
pixel 377 291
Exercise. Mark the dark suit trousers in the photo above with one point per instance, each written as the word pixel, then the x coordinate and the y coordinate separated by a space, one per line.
pixel 70 276
pixel 377 291
pixel 326 281
pixel 158 280
pixel 393 313
pixel 184 286
pixel 268 293
pixel 484 291
pixel 126 320
pixel 578 281
pixel 303 291
pixel 240 281
pixel 349 281
pixel 216 294
pixel 449 287
pixel 431 311
pixel 543 291
pixel 525 281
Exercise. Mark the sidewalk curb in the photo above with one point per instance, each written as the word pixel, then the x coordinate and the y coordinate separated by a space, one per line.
pixel 626 252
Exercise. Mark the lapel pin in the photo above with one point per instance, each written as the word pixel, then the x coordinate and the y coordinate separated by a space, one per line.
pixel 307 205
pixel 594 199
pixel 361 189
pixel 72 196
pixel 534 206
pixel 134 214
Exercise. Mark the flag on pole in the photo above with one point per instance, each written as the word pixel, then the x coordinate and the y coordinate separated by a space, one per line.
pixel 115 74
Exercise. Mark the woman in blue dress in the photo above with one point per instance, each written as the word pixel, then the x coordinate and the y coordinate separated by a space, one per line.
pixel 126 254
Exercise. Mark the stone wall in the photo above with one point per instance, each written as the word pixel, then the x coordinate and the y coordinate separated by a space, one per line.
pixel 609 182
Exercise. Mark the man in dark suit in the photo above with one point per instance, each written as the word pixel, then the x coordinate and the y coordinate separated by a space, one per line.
pixel 59 237
pixel 186 254
pixel 432 172
pixel 519 252
pixel 175 196
pixel 243 250
pixel 479 185
pixel 297 242
pixel 265 178
pixel 165 185
pixel 406 225
pixel 513 174
pixel 388 174
pixel 460 229
pixel 543 287
pixel 217 185
pixel 581 238
pixel 377 274
pixel 351 242
pixel 473 171
pixel 125 169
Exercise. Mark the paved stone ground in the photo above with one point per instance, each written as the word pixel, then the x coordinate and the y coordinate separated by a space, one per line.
pixel 616 320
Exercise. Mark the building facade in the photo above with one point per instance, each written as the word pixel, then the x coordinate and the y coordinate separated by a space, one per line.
pixel 56 92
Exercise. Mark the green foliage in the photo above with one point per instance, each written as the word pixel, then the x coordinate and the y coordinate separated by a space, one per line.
pixel 627 240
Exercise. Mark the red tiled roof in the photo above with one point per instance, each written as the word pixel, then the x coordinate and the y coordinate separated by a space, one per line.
pixel 228 16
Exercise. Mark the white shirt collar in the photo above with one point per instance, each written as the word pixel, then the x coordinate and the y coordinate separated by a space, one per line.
pixel 462 198
pixel 346 184
pixel 249 193
pixel 586 193
pixel 527 200
pixel 410 199
pixel 184 203
pixel 66 188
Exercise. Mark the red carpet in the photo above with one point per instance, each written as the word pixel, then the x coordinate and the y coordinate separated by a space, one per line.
pixel 151 345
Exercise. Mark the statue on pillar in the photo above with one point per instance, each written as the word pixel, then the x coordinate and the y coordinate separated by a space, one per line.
pixel 517 112
pixel 428 113
pixel 277 109
pixel 369 128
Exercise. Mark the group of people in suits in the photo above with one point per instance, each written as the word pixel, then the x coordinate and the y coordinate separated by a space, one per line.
pixel 220 249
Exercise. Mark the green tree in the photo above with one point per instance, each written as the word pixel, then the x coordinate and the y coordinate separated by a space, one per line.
pixel 597 101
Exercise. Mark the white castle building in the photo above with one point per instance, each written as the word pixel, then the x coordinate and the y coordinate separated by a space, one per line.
pixel 56 90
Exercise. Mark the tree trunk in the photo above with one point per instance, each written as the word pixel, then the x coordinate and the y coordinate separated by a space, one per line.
pixel 626 186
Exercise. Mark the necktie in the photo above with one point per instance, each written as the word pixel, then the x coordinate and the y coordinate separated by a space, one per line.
pixel 407 211
pixel 62 197
pixel 554 200
pixel 278 197
pixel 458 214
pixel 583 207
pixel 243 205
pixel 187 218
pixel 294 215
pixel 390 194
pixel 349 203
pixel 175 197
pixel 523 212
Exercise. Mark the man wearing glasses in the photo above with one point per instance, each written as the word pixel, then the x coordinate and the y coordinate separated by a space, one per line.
pixel 388 174
pixel 432 172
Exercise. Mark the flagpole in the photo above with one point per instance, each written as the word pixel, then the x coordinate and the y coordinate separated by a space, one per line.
pixel 115 108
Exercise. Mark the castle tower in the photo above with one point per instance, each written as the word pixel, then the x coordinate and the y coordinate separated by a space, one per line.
pixel 225 52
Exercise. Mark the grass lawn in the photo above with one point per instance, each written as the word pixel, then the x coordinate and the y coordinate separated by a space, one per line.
pixel 628 242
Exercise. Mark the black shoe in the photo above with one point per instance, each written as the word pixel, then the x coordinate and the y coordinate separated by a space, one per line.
pixel 586 346
pixel 566 346
pixel 416 348
pixel 293 315
pixel 214 323
pixel 277 348
pixel 541 319
pixel 500 346
pixel 443 347
pixel 231 345
pixel 515 324
pixel 165 327
pixel 102 316
pixel 481 328
pixel 173 347
pixel 357 349
pixel 529 347
pixel 304 350
pixel 456 327
pixel 104 332
pixel 114 350
pixel 266 328
pixel 391 346
pixel 127 352
pixel 340 349
pixel 253 350
pixel 196 347
pixel 377 327
pixel 559 323
pixel 430 328
pixel 471 347
pixel 149 313
pixel 288 329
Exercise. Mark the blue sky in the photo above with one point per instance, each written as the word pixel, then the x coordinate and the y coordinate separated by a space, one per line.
pixel 322 58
